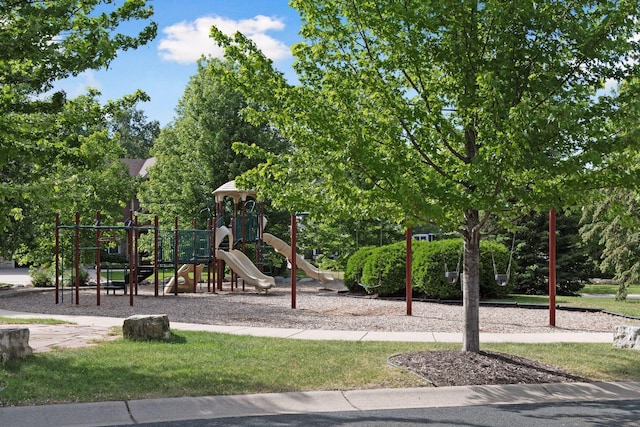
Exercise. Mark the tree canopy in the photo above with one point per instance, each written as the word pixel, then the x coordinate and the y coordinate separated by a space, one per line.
pixel 446 112
pixel 47 141
pixel 135 134
pixel 194 155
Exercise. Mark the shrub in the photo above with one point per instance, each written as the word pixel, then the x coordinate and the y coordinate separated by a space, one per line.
pixel 330 264
pixel 106 257
pixel 84 277
pixel 355 264
pixel 384 270
pixel 41 277
pixel 428 268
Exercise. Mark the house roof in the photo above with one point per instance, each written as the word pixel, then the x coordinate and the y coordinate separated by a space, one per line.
pixel 139 167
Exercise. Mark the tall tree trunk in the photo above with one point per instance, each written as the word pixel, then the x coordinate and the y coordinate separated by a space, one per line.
pixel 471 288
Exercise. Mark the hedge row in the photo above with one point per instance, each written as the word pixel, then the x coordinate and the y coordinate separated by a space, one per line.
pixel 381 270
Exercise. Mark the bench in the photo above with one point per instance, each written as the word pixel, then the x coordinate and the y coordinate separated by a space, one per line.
pixel 115 285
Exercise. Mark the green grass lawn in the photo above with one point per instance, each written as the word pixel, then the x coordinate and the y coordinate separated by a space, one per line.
pixel 35 320
pixel 605 288
pixel 201 363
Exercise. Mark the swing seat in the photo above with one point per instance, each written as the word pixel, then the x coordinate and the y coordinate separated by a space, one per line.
pixel 502 279
pixel 451 276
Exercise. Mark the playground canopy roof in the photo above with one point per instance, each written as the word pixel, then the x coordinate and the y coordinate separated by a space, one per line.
pixel 229 190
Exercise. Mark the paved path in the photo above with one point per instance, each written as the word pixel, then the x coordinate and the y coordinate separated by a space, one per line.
pixel 83 330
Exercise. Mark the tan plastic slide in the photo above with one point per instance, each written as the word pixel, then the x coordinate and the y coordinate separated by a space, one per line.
pixel 284 249
pixel 246 269
pixel 187 280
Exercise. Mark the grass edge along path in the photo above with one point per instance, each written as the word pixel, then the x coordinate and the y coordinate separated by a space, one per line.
pixel 203 364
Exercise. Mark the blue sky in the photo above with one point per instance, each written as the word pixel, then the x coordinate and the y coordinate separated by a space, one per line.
pixel 163 67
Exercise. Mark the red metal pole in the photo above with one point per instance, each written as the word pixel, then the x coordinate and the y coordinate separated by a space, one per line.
pixel 194 253
pixel 57 253
pixel 219 264
pixel 131 256
pixel 175 256
pixel 552 267
pixel 408 276
pixel 136 253
pixel 293 260
pixel 232 244
pixel 209 248
pixel 98 233
pixel 244 228
pixel 259 254
pixel 77 257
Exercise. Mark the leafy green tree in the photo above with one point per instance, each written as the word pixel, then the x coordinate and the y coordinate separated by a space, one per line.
pixel 84 175
pixel 446 112
pixel 135 133
pixel 337 240
pixel 46 140
pixel 194 155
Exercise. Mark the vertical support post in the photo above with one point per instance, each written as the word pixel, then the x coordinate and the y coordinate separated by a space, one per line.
pixel 244 226
pixel 156 249
pixel 98 239
pixel 76 249
pixel 232 244
pixel 259 249
pixel 210 252
pixel 294 253
pixel 194 254
pixel 408 275
pixel 131 256
pixel 175 256
pixel 552 267
pixel 136 253
pixel 57 254
pixel 219 265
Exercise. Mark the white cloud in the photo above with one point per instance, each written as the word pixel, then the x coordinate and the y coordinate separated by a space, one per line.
pixel 185 42
pixel 76 86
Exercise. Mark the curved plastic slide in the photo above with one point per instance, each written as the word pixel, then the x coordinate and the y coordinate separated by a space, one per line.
pixel 187 279
pixel 247 271
pixel 281 247
pixel 221 233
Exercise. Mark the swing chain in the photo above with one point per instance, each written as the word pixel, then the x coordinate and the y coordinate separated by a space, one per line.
pixel 495 269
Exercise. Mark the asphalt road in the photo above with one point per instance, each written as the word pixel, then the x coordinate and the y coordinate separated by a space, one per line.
pixel 608 413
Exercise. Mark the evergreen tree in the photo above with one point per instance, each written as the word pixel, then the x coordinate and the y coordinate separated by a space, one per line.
pixel 531 254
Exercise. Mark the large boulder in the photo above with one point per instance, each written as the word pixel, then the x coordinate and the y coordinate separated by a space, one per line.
pixel 14 343
pixel 627 337
pixel 147 327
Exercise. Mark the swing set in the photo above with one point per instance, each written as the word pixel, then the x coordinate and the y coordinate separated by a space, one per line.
pixel 502 279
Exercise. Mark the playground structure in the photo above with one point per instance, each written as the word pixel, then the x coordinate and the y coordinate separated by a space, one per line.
pixel 242 231
pixel 188 277
pixel 282 248
pixel 187 251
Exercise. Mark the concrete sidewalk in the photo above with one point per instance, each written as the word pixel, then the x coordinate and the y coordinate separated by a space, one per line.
pixel 212 407
pixel 85 329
